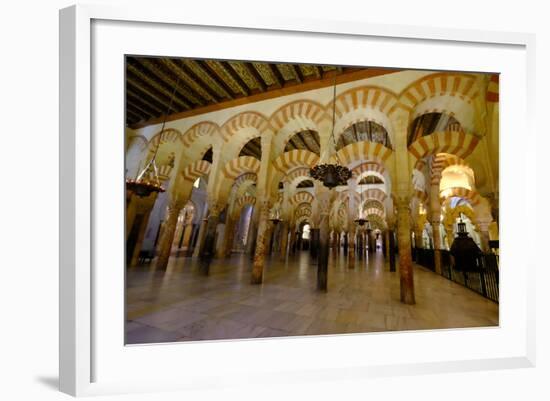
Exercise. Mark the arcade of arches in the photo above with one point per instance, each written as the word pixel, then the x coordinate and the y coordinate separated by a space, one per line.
pixel 232 248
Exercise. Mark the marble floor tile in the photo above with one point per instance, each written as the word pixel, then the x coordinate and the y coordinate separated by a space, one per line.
pixel 179 304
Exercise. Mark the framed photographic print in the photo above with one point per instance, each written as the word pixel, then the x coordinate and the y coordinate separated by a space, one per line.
pixel 296 202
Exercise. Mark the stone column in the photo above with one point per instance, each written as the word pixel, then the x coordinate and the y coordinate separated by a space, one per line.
pixel 405 262
pixel 200 239
pixel 252 233
pixel 137 213
pixel 167 238
pixel 284 239
pixel 208 250
pixel 351 248
pixel 387 244
pixel 436 229
pixel 261 244
pixel 324 230
pixel 360 244
pixel 484 236
pixel 346 243
pixel 450 235
pixel 229 236
pixel 392 250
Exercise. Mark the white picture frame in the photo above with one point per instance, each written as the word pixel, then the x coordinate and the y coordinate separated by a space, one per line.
pixel 83 353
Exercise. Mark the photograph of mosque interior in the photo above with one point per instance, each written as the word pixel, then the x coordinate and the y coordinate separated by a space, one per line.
pixel 270 199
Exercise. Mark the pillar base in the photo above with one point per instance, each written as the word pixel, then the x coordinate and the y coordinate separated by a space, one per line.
pixel 256 279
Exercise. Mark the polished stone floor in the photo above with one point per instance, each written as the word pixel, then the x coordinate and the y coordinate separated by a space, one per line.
pixel 181 305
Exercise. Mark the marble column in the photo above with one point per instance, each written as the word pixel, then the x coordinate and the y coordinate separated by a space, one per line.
pixel 252 233
pixel 209 248
pixel 351 248
pixel 167 238
pixel 484 236
pixel 436 229
pixel 324 231
pixel 284 239
pixel 387 244
pixel 360 244
pixel 450 236
pixel 292 240
pixel 261 244
pixel 138 213
pixel 314 244
pixel 405 261
pixel 200 238
pixel 346 242
pixel 417 244
pixel 392 250
pixel 229 236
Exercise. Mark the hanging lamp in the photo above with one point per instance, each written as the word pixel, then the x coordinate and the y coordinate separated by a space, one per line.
pixel 331 174
pixel 148 181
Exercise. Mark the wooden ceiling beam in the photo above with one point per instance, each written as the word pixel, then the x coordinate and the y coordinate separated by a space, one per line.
pixel 199 72
pixel 164 76
pixel 137 116
pixel 153 86
pixel 318 71
pixel 314 135
pixel 297 73
pixel 207 70
pixel 235 77
pixel 256 75
pixel 137 107
pixel 277 77
pixel 140 87
pixel 136 98
pixel 185 73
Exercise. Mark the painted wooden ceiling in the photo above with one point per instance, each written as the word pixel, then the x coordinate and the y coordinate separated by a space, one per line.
pixel 150 82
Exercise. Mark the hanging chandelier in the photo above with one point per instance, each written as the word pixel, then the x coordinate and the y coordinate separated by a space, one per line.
pixel 331 174
pixel 147 181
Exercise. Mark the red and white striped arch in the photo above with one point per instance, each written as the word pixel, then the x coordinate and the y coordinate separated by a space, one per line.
pixel 376 194
pixel 472 196
pixel 458 143
pixel 298 174
pixel 247 119
pixel 243 201
pixel 295 158
pixel 195 170
pixel 199 130
pixel 458 85
pixel 305 111
pixel 365 97
pixel 365 103
pixel 359 151
pixel 440 162
pixel 240 165
pixel 301 197
pixel 167 136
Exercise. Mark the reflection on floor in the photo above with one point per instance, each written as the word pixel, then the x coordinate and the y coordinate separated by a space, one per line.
pixel 180 305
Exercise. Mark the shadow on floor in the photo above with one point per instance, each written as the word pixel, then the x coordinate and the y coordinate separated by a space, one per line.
pixel 51 382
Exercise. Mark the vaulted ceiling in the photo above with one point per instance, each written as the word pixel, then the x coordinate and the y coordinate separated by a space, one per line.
pixel 150 82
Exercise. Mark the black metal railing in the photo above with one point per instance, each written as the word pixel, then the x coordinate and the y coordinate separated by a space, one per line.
pixel 482 278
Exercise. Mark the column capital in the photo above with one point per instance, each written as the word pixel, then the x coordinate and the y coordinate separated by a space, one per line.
pixel 483 224
pixel 176 204
pixel 402 201
pixel 214 208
